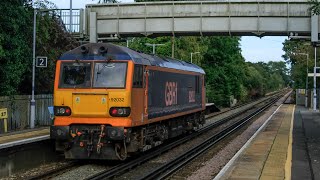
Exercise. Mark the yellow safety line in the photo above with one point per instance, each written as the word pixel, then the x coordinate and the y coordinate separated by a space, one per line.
pixel 289 154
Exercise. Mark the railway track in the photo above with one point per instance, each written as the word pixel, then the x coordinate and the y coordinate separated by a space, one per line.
pixel 239 105
pixel 170 167
pixel 123 167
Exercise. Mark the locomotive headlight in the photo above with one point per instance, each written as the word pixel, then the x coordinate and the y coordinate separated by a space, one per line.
pixel 120 111
pixel 62 111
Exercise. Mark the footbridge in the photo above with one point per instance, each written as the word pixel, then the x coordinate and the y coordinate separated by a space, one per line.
pixel 180 18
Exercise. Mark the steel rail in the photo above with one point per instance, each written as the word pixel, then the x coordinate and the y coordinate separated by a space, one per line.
pixel 110 173
pixel 120 169
pixel 167 169
pixel 115 170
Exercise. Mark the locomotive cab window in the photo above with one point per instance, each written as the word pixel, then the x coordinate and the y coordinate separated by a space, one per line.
pixel 110 75
pixel 75 75
pixel 197 84
pixel 138 76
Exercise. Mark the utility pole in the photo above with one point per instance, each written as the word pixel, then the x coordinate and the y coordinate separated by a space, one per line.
pixel 70 28
pixel 315 41
pixel 306 101
pixel 172 46
pixel 33 101
pixel 315 80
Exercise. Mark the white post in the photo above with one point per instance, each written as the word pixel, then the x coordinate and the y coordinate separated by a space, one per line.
pixel 315 80
pixel 306 95
pixel 93 27
pixel 194 53
pixel 70 27
pixel 33 102
pixel 172 47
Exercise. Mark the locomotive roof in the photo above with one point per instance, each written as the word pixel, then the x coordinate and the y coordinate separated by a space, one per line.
pixel 106 51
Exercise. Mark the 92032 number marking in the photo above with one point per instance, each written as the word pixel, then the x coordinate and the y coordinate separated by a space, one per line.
pixel 117 99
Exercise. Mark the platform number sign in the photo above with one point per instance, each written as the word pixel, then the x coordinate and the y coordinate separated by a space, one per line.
pixel 41 61
pixel 3 113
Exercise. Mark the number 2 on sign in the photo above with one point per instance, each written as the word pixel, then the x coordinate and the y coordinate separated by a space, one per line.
pixel 41 62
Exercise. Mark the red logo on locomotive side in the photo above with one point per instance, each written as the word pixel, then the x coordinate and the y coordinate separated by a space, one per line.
pixel 171 93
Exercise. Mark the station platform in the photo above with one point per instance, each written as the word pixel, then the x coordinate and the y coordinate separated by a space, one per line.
pixel 23 137
pixel 287 146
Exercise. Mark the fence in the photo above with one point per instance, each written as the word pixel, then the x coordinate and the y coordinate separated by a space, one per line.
pixel 77 21
pixel 19 111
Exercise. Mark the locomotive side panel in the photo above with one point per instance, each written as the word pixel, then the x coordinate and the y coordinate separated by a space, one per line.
pixel 172 92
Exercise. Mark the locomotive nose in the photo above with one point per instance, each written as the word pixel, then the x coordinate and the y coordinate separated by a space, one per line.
pixel 90 104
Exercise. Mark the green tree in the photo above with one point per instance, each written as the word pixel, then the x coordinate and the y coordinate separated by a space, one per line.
pixel 299 65
pixel 52 41
pixel 254 82
pixel 281 69
pixel 15 49
pixel 225 68
pixel 266 77
pixel 315 7
pixel 16 40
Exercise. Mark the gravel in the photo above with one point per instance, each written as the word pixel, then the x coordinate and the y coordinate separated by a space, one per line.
pixel 81 172
pixel 35 171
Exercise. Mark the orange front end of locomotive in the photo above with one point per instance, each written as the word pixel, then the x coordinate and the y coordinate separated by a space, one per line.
pixel 93 99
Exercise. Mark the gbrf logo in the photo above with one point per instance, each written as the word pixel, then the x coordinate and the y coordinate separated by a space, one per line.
pixel 171 93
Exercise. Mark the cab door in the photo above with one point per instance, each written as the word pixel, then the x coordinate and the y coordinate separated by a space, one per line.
pixel 138 95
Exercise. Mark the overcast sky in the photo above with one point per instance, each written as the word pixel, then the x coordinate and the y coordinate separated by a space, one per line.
pixel 253 48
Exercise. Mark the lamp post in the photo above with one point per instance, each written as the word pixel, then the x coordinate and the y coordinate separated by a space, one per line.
pixel 128 41
pixel 315 80
pixel 154 47
pixel 70 27
pixel 33 102
pixel 306 96
pixel 192 54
